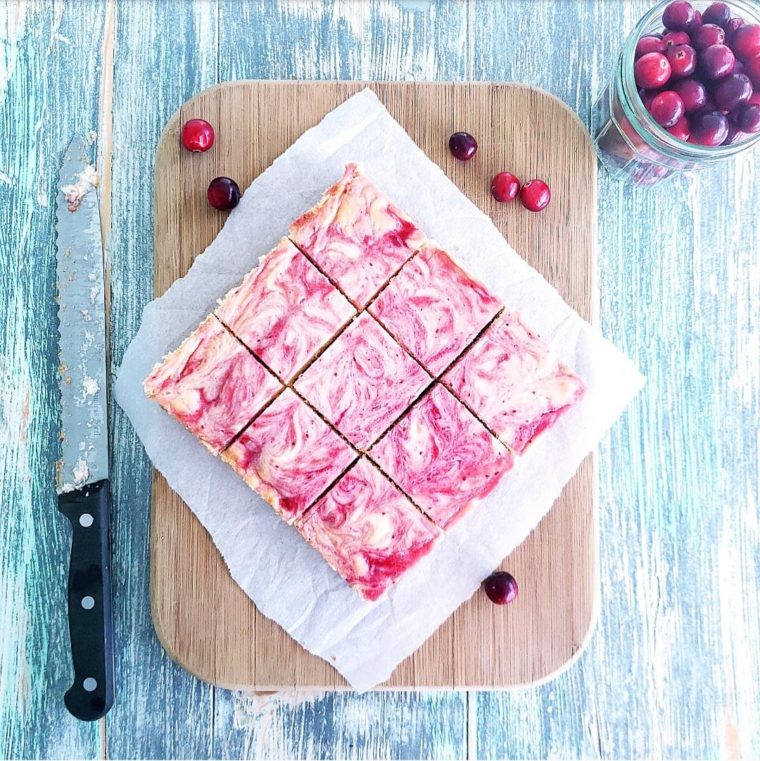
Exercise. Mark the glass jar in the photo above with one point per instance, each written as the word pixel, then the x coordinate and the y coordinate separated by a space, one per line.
pixel 629 142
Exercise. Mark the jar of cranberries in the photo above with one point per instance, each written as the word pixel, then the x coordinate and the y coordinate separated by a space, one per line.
pixel 686 91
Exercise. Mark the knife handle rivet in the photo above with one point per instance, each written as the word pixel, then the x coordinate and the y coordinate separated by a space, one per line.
pixel 88 603
pixel 90 684
pixel 86 520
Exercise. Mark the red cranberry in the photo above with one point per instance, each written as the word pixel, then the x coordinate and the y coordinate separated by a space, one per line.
pixel 755 98
pixel 680 130
pixel 738 67
pixel 223 193
pixel 505 187
pixel 500 587
pixel 463 146
pixel 676 38
pixel 651 71
pixel 746 42
pixel 696 23
pixel 733 135
pixel 731 28
pixel 752 69
pixel 693 94
pixel 732 91
pixel 678 15
pixel 708 128
pixel 717 61
pixel 535 195
pixel 667 108
pixel 649 45
pixel 747 117
pixel 682 60
pixel 716 13
pixel 197 135
pixel 707 35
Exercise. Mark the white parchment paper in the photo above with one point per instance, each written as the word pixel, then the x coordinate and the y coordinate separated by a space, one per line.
pixel 287 580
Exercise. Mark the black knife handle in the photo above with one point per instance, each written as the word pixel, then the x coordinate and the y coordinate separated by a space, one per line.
pixel 90 617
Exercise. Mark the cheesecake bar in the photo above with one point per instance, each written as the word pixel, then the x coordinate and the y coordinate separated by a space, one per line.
pixel 362 382
pixel 285 310
pixel 356 236
pixel 289 455
pixel 512 381
pixel 442 457
pixel 211 384
pixel 434 308
pixel 368 531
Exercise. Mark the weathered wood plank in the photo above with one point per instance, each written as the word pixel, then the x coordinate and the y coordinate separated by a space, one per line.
pixel 673 670
pixel 164 53
pixel 45 48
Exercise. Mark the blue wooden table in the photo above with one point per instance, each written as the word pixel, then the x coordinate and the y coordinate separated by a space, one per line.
pixel 674 668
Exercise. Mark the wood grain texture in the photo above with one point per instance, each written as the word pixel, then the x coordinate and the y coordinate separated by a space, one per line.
pixel 229 643
pixel 40 43
pixel 673 670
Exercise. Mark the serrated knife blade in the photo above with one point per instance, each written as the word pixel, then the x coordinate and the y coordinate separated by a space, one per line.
pixel 82 471
pixel 82 323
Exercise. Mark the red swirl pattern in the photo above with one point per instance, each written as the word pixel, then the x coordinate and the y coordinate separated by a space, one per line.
pixel 442 457
pixel 513 382
pixel 434 308
pixel 285 310
pixel 362 382
pixel 211 384
pixel 368 531
pixel 356 236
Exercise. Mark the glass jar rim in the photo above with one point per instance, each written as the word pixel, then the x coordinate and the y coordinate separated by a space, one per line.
pixel 653 134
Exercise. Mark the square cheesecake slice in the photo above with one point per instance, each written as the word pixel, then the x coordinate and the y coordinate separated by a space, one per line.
pixel 362 382
pixel 433 308
pixel 285 310
pixel 442 457
pixel 368 531
pixel 289 455
pixel 513 382
pixel 356 236
pixel 211 384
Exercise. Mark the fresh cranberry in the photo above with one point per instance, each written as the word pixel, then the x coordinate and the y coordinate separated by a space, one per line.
pixel 708 128
pixel 747 117
pixel 752 70
pixel 731 28
pixel 738 67
pixel 717 61
pixel 682 60
pixel 676 38
pixel 680 130
pixel 223 193
pixel 535 195
pixel 732 91
pixel 716 13
pixel 505 187
pixel 197 135
pixel 651 71
pixel 666 108
pixel 733 135
pixel 696 23
pixel 463 146
pixel 678 15
pixel 649 45
pixel 746 42
pixel 500 587
pixel 755 98
pixel 707 35
pixel 693 94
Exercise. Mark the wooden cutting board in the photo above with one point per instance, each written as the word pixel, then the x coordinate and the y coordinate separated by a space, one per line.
pixel 203 619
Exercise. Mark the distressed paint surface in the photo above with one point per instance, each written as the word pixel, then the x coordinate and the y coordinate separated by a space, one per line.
pixel 674 668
